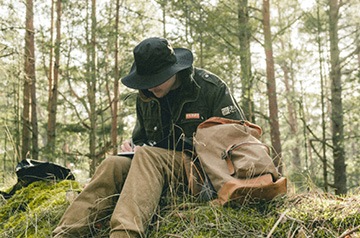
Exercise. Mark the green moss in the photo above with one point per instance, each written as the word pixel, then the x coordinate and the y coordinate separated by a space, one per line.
pixel 304 215
pixel 323 215
pixel 208 220
pixel 35 210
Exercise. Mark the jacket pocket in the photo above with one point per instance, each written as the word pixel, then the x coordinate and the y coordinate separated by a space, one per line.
pixel 152 128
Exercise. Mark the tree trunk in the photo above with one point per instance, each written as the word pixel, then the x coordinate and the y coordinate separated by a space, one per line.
pixel 92 90
pixel 336 102
pixel 18 123
pixel 307 148
pixel 292 118
pixel 50 128
pixel 286 65
pixel 244 36
pixel 53 86
pixel 323 106
pixel 115 101
pixel 163 10
pixel 29 69
pixel 358 45
pixel 271 86
pixel 34 120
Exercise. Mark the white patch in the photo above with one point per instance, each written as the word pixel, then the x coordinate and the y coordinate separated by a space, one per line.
pixel 228 110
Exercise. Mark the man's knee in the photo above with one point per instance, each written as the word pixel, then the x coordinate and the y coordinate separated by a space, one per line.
pixel 114 162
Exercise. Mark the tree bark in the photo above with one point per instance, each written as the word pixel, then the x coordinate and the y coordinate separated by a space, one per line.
pixel 92 90
pixel 286 63
pixel 50 128
pixel 271 86
pixel 244 36
pixel 29 106
pixel 53 85
pixel 336 101
pixel 115 101
pixel 34 120
pixel 323 106
pixel 292 118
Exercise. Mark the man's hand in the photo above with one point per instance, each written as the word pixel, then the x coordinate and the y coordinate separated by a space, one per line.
pixel 128 146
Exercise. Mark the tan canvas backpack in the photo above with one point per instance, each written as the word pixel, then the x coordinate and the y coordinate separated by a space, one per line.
pixel 236 162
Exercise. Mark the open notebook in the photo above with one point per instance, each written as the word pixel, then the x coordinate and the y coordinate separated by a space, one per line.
pixel 127 154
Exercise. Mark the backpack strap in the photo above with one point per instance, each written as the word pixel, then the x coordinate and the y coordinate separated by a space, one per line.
pixel 226 154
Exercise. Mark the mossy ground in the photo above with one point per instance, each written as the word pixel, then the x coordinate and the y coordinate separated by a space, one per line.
pixel 34 211
pixel 301 215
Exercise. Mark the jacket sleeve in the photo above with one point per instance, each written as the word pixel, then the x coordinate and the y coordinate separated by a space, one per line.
pixel 139 134
pixel 224 104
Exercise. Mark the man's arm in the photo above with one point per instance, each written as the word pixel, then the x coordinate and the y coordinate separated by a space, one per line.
pixel 139 135
pixel 224 104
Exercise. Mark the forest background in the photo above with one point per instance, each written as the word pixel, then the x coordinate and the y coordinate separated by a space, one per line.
pixel 293 66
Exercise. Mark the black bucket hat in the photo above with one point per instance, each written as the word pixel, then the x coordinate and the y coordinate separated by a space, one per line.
pixel 156 62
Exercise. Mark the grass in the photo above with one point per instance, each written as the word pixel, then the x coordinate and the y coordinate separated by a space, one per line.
pixel 34 211
pixel 302 215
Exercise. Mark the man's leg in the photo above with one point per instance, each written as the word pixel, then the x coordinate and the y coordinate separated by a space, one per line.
pixel 150 170
pixel 96 200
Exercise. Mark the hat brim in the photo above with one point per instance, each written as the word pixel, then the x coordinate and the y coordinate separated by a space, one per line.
pixel 134 80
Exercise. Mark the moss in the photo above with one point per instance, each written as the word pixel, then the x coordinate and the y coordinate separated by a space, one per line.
pixel 35 210
pixel 323 215
pixel 302 215
pixel 208 220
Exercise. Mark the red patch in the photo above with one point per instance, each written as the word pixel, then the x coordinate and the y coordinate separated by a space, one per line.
pixel 192 116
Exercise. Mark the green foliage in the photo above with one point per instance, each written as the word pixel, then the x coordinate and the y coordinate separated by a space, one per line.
pixel 34 211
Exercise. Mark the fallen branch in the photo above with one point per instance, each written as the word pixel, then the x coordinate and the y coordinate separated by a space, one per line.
pixel 349 232
pixel 277 223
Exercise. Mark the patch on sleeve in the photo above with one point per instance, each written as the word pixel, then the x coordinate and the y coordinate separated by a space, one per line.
pixel 228 110
pixel 192 116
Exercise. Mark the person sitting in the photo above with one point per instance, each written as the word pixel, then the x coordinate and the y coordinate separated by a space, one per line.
pixel 173 98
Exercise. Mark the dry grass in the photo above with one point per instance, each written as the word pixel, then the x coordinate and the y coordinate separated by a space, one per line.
pixel 301 215
pixel 34 212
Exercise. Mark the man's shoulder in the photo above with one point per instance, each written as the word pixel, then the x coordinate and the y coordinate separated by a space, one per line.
pixel 203 76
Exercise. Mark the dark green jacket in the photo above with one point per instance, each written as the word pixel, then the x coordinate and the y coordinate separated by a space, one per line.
pixel 203 95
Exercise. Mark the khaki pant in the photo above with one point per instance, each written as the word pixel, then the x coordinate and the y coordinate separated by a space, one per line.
pixel 139 181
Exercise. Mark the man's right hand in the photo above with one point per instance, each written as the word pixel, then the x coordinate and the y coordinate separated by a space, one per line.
pixel 127 146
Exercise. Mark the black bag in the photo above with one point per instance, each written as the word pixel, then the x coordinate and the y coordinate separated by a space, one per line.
pixel 29 171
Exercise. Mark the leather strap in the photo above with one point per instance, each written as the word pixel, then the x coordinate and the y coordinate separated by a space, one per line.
pixel 226 155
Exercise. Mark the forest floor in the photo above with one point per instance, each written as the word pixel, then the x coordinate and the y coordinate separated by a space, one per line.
pixel 34 211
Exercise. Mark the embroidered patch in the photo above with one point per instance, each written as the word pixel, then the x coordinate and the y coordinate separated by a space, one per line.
pixel 228 110
pixel 192 116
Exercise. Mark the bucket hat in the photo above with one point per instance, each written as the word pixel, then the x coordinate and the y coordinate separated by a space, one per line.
pixel 156 61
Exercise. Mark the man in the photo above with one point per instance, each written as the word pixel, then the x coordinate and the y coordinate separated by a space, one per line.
pixel 173 99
